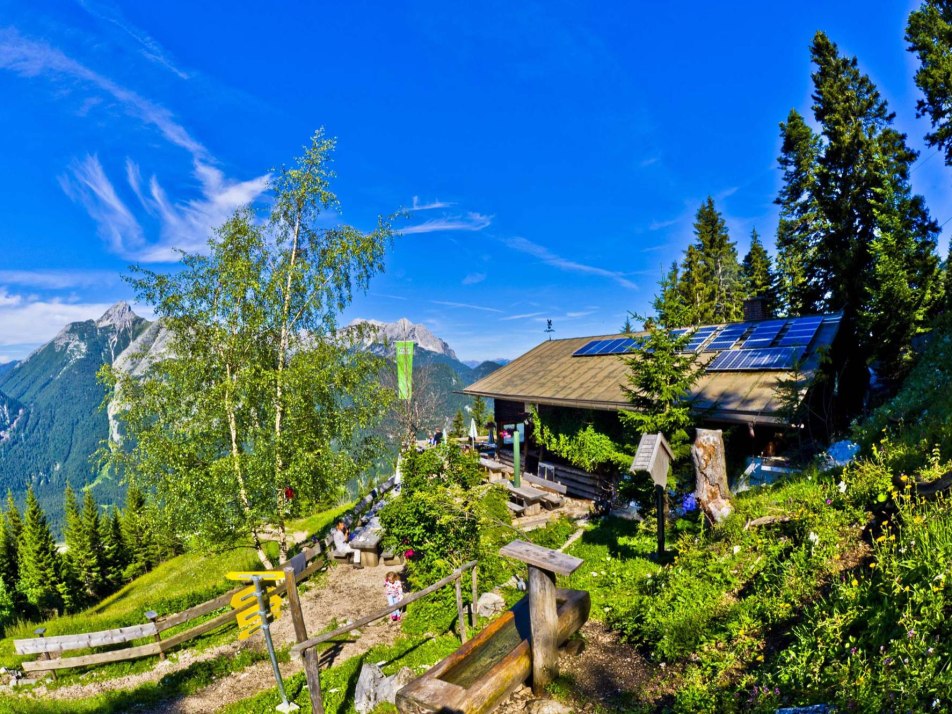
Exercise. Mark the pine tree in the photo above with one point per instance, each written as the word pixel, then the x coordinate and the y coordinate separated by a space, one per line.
pixel 115 554
pixel 670 306
pixel 70 585
pixel 757 275
pixel 849 221
pixel 929 34
pixel 457 427
pixel 801 222
pixel 627 328
pixel 479 413
pixel 12 527
pixel 710 273
pixel 86 553
pixel 39 561
pixel 136 531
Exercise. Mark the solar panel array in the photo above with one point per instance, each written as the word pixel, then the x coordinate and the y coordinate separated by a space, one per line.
pixel 763 345
pixel 756 359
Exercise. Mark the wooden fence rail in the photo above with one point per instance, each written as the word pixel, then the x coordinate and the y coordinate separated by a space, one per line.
pixel 316 558
pixel 305 646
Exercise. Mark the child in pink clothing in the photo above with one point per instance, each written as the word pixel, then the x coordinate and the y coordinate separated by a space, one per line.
pixel 393 587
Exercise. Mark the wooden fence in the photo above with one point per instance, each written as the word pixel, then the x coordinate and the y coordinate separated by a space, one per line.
pixel 305 648
pixel 316 559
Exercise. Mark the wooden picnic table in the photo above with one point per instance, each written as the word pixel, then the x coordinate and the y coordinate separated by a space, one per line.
pixel 526 494
pixel 368 543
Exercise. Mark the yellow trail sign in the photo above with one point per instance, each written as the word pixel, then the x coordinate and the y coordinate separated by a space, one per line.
pixel 246 611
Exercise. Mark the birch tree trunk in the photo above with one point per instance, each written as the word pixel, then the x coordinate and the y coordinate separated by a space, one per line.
pixel 710 465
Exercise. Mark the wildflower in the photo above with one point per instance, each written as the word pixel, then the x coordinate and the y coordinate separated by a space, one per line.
pixel 736 549
pixel 855 583
pixel 409 553
pixel 813 538
pixel 842 486
pixel 911 634
pixel 930 651
pixel 829 501
pixel 852 650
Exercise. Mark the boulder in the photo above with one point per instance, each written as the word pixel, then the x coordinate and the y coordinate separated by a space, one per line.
pixel 547 706
pixel 374 687
pixel 490 604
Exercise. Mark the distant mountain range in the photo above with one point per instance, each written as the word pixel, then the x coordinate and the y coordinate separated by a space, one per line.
pixel 50 417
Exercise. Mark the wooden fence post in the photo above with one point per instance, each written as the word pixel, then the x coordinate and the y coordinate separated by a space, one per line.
pixel 312 669
pixel 459 607
pixel 152 616
pixel 474 616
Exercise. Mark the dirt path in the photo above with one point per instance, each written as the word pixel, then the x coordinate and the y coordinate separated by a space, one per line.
pixel 346 595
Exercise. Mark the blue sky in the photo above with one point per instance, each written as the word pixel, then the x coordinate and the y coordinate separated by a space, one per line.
pixel 552 155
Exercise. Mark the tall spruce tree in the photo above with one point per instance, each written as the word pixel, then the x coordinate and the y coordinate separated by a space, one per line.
pixel 12 527
pixel 86 553
pixel 671 309
pixel 851 218
pixel 757 276
pixel 801 221
pixel 38 559
pixel 136 533
pixel 115 554
pixel 711 273
pixel 929 34
pixel 70 585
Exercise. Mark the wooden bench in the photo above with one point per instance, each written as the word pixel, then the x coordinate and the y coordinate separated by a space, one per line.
pixel 369 546
pixel 392 558
pixel 546 484
pixel 515 508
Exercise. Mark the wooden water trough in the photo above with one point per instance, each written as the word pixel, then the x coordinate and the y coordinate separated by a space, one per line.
pixel 520 644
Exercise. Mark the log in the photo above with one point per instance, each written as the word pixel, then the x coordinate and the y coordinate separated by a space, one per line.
pixel 710 466
pixel 84 660
pixel 63 643
pixel 765 521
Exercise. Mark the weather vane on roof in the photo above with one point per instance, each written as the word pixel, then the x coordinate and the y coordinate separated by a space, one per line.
pixel 549 329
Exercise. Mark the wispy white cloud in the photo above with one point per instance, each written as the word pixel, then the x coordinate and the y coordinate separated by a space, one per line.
pixel 148 46
pixel 32 58
pixel 523 316
pixel 471 221
pixel 88 184
pixel 645 163
pixel 474 278
pixel 183 225
pixel 432 205
pixel 658 225
pixel 27 321
pixel 465 305
pixel 58 279
pixel 549 258
pixel 389 297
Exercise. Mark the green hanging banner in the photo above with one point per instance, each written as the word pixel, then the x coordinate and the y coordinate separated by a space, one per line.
pixel 405 369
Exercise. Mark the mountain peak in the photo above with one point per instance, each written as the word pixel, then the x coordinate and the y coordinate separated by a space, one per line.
pixel 404 329
pixel 119 316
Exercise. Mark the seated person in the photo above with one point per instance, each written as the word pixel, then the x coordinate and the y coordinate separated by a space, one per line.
pixel 341 536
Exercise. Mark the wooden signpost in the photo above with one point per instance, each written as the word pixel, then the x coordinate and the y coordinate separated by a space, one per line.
pixel 654 456
pixel 543 614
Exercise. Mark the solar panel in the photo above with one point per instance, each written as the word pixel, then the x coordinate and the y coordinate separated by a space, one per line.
pixel 764 334
pixel 801 331
pixel 726 338
pixel 699 338
pixel 759 359
pixel 617 346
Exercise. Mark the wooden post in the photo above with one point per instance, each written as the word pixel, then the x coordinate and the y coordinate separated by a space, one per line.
pixel 458 583
pixel 543 564
pixel 152 616
pixel 474 616
pixel 312 669
pixel 710 465
pixel 39 632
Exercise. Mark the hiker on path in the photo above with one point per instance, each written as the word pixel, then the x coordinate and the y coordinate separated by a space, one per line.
pixel 393 587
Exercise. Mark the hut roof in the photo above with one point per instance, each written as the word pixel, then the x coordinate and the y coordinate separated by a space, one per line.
pixel 552 373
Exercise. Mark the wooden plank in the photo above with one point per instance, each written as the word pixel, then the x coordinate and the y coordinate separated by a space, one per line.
pixel 223 600
pixel 214 623
pixel 545 483
pixel 63 643
pixel 312 672
pixel 461 618
pixel 515 507
pixel 544 558
pixel 85 660
pixel 360 622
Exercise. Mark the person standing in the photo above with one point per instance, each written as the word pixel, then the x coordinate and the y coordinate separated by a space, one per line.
pixel 393 587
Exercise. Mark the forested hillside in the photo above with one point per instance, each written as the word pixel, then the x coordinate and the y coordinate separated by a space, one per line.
pixel 61 424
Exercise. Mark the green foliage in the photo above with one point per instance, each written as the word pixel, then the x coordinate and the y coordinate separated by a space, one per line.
pixel 457 428
pixel 480 413
pixel 708 288
pixel 260 392
pixel 757 275
pixel 929 34
pixel 659 378
pixel 579 444
pixel 115 554
pixel 852 236
pixel 39 563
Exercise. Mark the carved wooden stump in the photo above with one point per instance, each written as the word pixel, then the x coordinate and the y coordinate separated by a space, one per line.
pixel 710 465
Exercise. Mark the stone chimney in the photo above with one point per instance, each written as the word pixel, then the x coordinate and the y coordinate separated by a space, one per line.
pixel 755 308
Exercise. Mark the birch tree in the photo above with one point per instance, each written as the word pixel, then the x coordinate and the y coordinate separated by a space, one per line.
pixel 260 392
